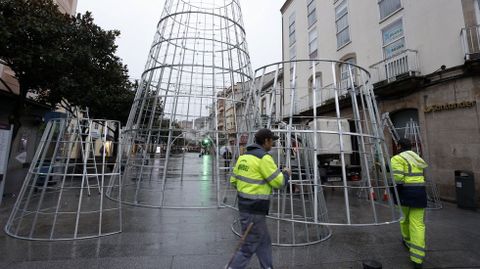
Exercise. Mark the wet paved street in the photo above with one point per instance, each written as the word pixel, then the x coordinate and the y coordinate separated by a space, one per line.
pixel 201 238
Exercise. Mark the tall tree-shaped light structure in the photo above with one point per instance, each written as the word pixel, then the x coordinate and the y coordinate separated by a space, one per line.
pixel 190 100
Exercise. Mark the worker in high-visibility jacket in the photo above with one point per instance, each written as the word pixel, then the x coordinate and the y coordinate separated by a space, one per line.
pixel 408 169
pixel 254 176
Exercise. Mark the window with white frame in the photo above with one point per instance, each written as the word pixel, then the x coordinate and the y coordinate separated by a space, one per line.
pixel 264 106
pixel 388 7
pixel 345 70
pixel 393 39
pixel 293 53
pixel 291 29
pixel 341 21
pixel 312 12
pixel 313 43
pixel 293 57
pixel 477 11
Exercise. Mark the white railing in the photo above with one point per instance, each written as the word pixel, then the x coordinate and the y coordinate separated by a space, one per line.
pixel 324 96
pixel 320 99
pixel 302 104
pixel 397 66
pixel 470 37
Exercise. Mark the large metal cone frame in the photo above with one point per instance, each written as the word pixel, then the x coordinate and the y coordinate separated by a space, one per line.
pixel 182 133
pixel 337 151
pixel 63 196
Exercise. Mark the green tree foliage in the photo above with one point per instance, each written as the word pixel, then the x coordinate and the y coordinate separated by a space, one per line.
pixel 66 61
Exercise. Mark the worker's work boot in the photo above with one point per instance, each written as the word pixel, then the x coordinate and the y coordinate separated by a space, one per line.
pixel 417 265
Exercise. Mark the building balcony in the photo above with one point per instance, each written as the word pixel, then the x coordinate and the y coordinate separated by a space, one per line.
pixel 324 98
pixel 301 104
pixel 470 37
pixel 397 67
pixel 264 119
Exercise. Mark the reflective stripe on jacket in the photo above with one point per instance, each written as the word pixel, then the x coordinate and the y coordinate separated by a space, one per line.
pixel 254 176
pixel 407 168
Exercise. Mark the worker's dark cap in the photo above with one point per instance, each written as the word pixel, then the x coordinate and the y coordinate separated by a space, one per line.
pixel 264 134
pixel 405 143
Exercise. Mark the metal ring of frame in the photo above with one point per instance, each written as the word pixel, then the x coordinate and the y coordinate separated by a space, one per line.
pixel 366 119
pixel 277 242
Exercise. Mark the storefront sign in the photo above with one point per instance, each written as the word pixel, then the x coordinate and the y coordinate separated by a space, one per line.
pixel 452 106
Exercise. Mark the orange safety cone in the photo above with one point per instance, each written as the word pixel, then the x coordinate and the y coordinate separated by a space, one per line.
pixel 385 195
pixel 372 195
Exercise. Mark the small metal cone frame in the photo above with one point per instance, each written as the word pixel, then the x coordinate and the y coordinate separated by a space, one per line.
pixel 346 127
pixel 62 197
pixel 412 132
pixel 192 91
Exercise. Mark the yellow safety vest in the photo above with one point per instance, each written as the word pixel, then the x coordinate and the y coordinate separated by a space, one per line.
pixel 408 169
pixel 255 177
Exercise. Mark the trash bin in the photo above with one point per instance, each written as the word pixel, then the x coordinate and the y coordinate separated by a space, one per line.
pixel 465 189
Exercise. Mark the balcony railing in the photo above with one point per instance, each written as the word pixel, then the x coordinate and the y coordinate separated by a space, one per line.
pixel 301 104
pixel 404 64
pixel 324 96
pixel 470 37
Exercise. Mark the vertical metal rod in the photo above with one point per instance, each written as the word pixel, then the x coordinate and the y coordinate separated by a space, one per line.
pixel 359 130
pixel 279 191
pixel 315 144
pixel 158 49
pixel 170 132
pixel 379 137
pixel 84 178
pixel 342 149
pixel 189 97
pixel 300 178
pixel 32 168
pixel 104 143
pixel 25 184
pixel 84 150
pixel 71 143
pixel 217 142
pixel 273 99
pixel 289 143
pixel 92 148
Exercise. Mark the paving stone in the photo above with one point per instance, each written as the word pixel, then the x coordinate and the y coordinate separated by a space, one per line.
pixel 193 239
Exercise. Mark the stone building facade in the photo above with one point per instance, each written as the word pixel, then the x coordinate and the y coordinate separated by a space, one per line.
pixel 424 60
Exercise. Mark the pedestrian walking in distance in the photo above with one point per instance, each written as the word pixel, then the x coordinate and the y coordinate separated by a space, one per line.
pixel 407 169
pixel 254 176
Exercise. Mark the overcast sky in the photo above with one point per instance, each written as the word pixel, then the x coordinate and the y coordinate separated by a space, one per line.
pixel 137 21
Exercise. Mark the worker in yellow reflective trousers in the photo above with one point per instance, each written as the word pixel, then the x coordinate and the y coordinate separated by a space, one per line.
pixel 408 169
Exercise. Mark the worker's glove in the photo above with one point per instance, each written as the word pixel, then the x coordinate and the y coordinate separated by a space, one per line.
pixel 287 171
pixel 287 174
